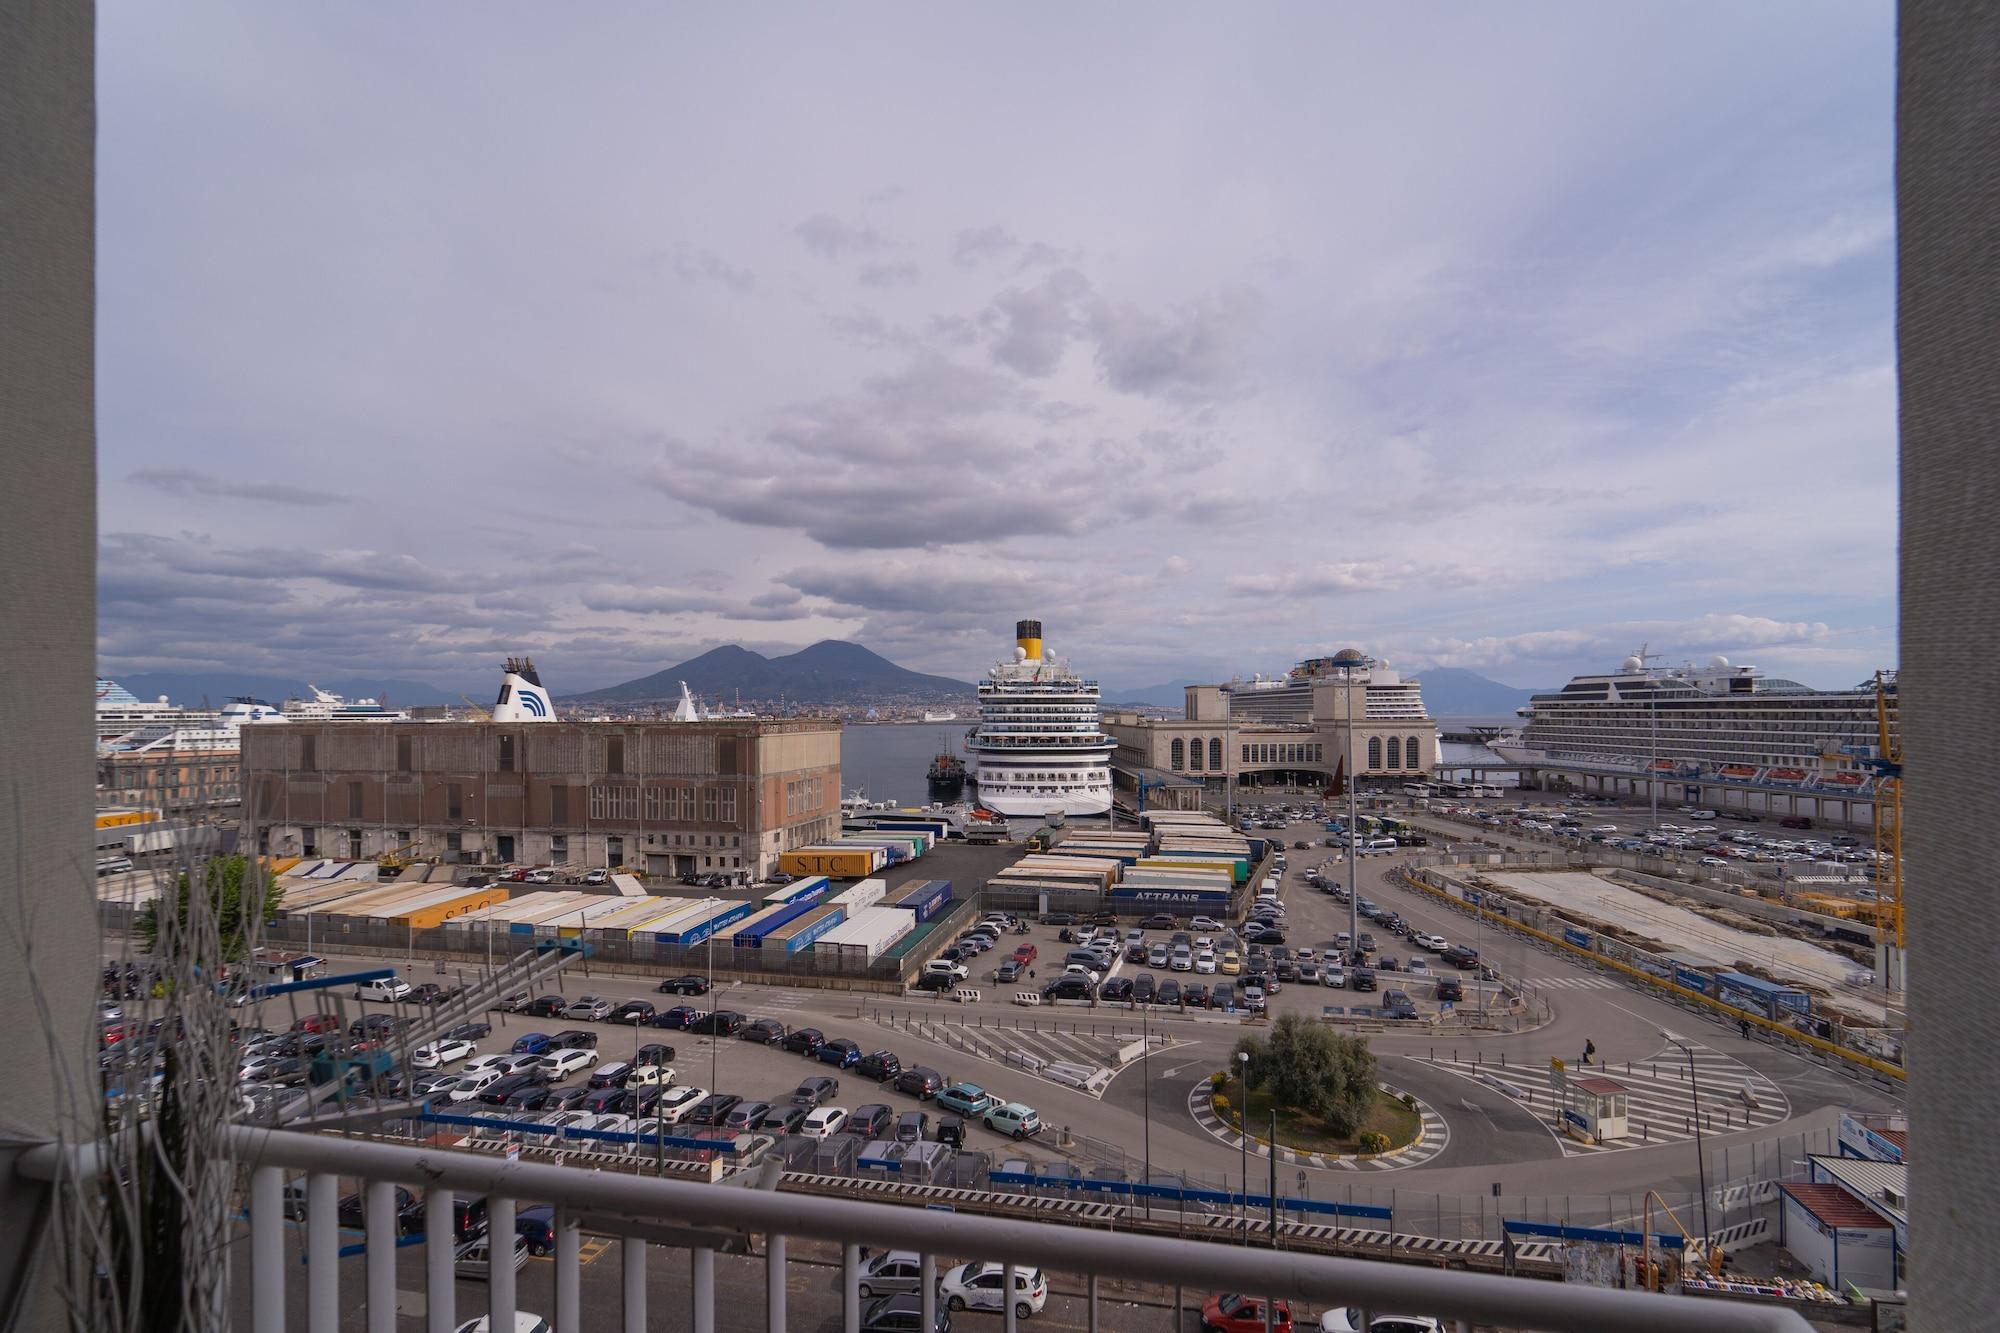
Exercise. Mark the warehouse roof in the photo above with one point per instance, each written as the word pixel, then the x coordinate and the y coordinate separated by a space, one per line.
pixel 1834 1205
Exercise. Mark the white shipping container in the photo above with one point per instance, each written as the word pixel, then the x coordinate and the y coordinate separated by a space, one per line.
pixel 864 893
pixel 869 932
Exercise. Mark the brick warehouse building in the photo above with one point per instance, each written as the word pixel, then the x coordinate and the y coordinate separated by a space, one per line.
pixel 663 797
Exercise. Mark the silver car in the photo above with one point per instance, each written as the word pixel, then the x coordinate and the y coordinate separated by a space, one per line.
pixel 591 1008
pixel 473 1259
pixel 890 1273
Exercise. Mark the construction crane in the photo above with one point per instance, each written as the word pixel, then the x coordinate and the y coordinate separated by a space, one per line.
pixel 1888 807
pixel 480 709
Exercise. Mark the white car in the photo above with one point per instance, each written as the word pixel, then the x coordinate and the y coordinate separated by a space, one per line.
pixel 1333 975
pixel 561 1064
pixel 978 1287
pixel 1205 923
pixel 825 1121
pixel 1349 1321
pixel 675 1103
pixel 383 988
pixel 645 1076
pixel 500 1062
pixel 1417 967
pixel 1205 961
pixel 597 875
pixel 473 1084
pixel 944 967
pixel 572 1120
pixel 440 1053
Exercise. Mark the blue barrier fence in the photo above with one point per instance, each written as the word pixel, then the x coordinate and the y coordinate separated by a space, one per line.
pixel 1595 1235
pixel 271 988
pixel 1310 1207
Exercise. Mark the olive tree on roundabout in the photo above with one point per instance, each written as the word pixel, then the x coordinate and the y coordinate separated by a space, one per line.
pixel 1311 1070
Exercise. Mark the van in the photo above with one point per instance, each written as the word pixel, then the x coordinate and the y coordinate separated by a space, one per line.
pixel 113 865
pixel 1378 846
pixel 382 988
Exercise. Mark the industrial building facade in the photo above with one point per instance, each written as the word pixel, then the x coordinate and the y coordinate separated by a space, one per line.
pixel 661 797
pixel 1291 731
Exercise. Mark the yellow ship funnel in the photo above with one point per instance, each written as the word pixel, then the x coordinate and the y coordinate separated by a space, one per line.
pixel 1028 637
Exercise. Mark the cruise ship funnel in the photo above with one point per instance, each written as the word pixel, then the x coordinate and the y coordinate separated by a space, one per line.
pixel 1028 638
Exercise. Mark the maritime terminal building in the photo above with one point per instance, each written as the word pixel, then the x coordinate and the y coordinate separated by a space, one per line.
pixel 1347 712
pixel 721 794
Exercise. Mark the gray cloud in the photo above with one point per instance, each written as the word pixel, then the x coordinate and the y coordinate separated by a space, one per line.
pixel 1031 326
pixel 831 238
pixel 702 266
pixel 975 245
pixel 193 481
pixel 900 273
pixel 1199 350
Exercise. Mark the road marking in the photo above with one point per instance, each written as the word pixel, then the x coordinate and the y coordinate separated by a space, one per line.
pixel 1172 1073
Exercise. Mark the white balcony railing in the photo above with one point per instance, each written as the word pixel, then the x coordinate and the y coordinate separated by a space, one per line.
pixel 700 1218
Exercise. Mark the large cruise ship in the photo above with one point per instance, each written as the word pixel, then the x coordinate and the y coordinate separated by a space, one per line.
pixel 1038 748
pixel 1720 724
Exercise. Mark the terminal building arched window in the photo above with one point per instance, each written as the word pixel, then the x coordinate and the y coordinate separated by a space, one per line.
pixel 1395 752
pixel 1374 752
pixel 1215 753
pixel 1411 754
pixel 1194 753
pixel 1179 753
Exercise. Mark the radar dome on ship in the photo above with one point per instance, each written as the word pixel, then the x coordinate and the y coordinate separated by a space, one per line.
pixel 1349 657
pixel 1719 662
pixel 1634 664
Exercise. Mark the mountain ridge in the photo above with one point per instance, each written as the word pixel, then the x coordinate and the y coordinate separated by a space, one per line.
pixel 1457 692
pixel 830 671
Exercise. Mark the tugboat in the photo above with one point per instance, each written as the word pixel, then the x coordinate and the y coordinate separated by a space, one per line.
pixel 947 777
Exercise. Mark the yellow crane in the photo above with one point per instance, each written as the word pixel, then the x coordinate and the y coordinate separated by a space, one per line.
pixel 1888 807
pixel 484 715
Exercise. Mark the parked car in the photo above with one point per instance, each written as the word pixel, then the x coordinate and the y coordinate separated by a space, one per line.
pixel 912 1126
pixel 903 1314
pixel 575 1039
pixel 823 1122
pixel 980 1287
pixel 516 1003
pixel 764 1031
pixel 891 1272
pixel 721 1023
pixel 653 1053
pixel 1231 1313
pixel 441 1053
pixel 469 1032
pixel 803 1041
pixel 473 1258
pixel 711 1109
pixel 569 1060
pixel 681 1016
pixel 634 1012
pixel 1450 990
pixel 687 985
pixel 967 1099
pixel 532 1043
pixel 536 1225
pixel 782 1120
pixel 746 1116
pixel 840 1052
pixel 879 1065
pixel 1015 1119
pixel 816 1091
pixel 920 1082
pixel 545 1006
pixel 1348 1320
pixel 871 1120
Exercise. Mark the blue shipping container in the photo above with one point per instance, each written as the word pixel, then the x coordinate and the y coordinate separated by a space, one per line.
pixel 1768 998
pixel 802 940
pixel 783 914
pixel 1175 897
pixel 926 898
pixel 694 932
pixel 1580 938
pixel 1693 980
pixel 808 890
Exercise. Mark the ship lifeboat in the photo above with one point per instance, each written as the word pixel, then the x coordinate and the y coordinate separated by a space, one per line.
pixel 1737 771
pixel 1844 779
pixel 1663 765
pixel 1785 774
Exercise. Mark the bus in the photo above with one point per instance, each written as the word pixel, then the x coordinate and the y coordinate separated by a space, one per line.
pixel 1478 789
pixel 1418 789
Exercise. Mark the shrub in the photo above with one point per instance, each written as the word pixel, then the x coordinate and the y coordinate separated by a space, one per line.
pixel 1410 1100
pixel 1374 1141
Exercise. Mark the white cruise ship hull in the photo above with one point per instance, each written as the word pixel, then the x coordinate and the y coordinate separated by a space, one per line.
pixel 1033 807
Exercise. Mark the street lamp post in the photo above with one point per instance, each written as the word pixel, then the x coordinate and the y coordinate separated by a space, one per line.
pixel 1353 895
pixel 1243 1136
pixel 1146 1081
pixel 1700 1160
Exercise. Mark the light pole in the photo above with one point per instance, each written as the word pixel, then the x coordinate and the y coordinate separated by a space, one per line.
pixel 1243 1136
pixel 1653 766
pixel 1146 1080
pixel 1700 1163
pixel 1353 895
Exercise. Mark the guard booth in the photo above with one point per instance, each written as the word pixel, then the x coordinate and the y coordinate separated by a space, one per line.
pixel 1591 1107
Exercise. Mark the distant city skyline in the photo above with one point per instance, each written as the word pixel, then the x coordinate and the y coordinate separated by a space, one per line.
pixel 1213 339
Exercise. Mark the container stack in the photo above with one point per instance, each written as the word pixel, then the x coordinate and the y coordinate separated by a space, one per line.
pixel 867 933
pixel 803 932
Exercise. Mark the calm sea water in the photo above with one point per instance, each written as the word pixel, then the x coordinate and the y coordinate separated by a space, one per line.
pixel 888 760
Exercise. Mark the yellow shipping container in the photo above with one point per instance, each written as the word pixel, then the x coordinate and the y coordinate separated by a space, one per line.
pixel 437 913
pixel 832 862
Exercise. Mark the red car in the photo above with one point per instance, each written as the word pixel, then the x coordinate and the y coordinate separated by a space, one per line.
pixel 318 1023
pixel 1024 954
pixel 1231 1313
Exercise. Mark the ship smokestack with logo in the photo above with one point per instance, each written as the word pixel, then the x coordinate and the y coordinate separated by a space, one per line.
pixel 1028 638
pixel 522 698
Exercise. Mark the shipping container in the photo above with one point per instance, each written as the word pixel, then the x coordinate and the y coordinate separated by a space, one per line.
pixel 899 849
pixel 750 931
pixel 695 929
pixel 867 933
pixel 938 829
pixel 571 924
pixel 926 898
pixel 833 862
pixel 1768 999
pixel 1171 897
pixel 668 918
pixel 865 894
pixel 633 912
pixel 446 904
pixel 811 889
pixel 801 934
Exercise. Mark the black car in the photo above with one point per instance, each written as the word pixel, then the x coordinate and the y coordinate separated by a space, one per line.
pixel 634 1012
pixel 377 1027
pixel 1267 935
pixel 687 985
pixel 1117 988
pixel 607 1101
pixel 1059 919
pixel 1287 970
pixel 545 1006
pixel 1170 992
pixel 1449 989
pixel 934 981
pixel 566 1099
pixel 803 1041
pixel 1160 922
pixel 721 1023
pixel 920 1082
pixel 574 1039
pixel 469 1032
pixel 1396 1004
pixel 1461 957
pixel 1361 978
pixel 711 1109
pixel 1195 995
pixel 430 992
pixel 1224 997
pixel 816 1091
pixel 871 1120
pixel 879 1065
pixel 951 1129
pixel 1145 988
pixel 1068 988
pixel 353 1214
pixel 534 1098
pixel 654 1054
pixel 766 1031
pixel 497 1092
pixel 678 1017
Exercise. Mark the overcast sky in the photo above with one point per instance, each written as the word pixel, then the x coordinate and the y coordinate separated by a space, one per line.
pixel 1496 336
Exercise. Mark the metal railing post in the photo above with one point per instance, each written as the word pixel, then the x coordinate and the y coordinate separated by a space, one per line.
pixel 500 1272
pixel 440 1293
pixel 927 1284
pixel 632 1252
pixel 1093 1303
pixel 380 1201
pixel 774 1282
pixel 322 1253
pixel 850 1287
pixel 1007 1296
pixel 701 1289
pixel 267 1249
pixel 569 1299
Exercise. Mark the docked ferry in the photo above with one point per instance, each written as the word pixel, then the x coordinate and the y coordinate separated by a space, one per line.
pixel 1719 723
pixel 1038 749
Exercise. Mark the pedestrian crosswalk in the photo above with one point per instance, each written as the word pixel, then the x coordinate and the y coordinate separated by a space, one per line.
pixel 1570 983
pixel 1068 1058
pixel 1662 1101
